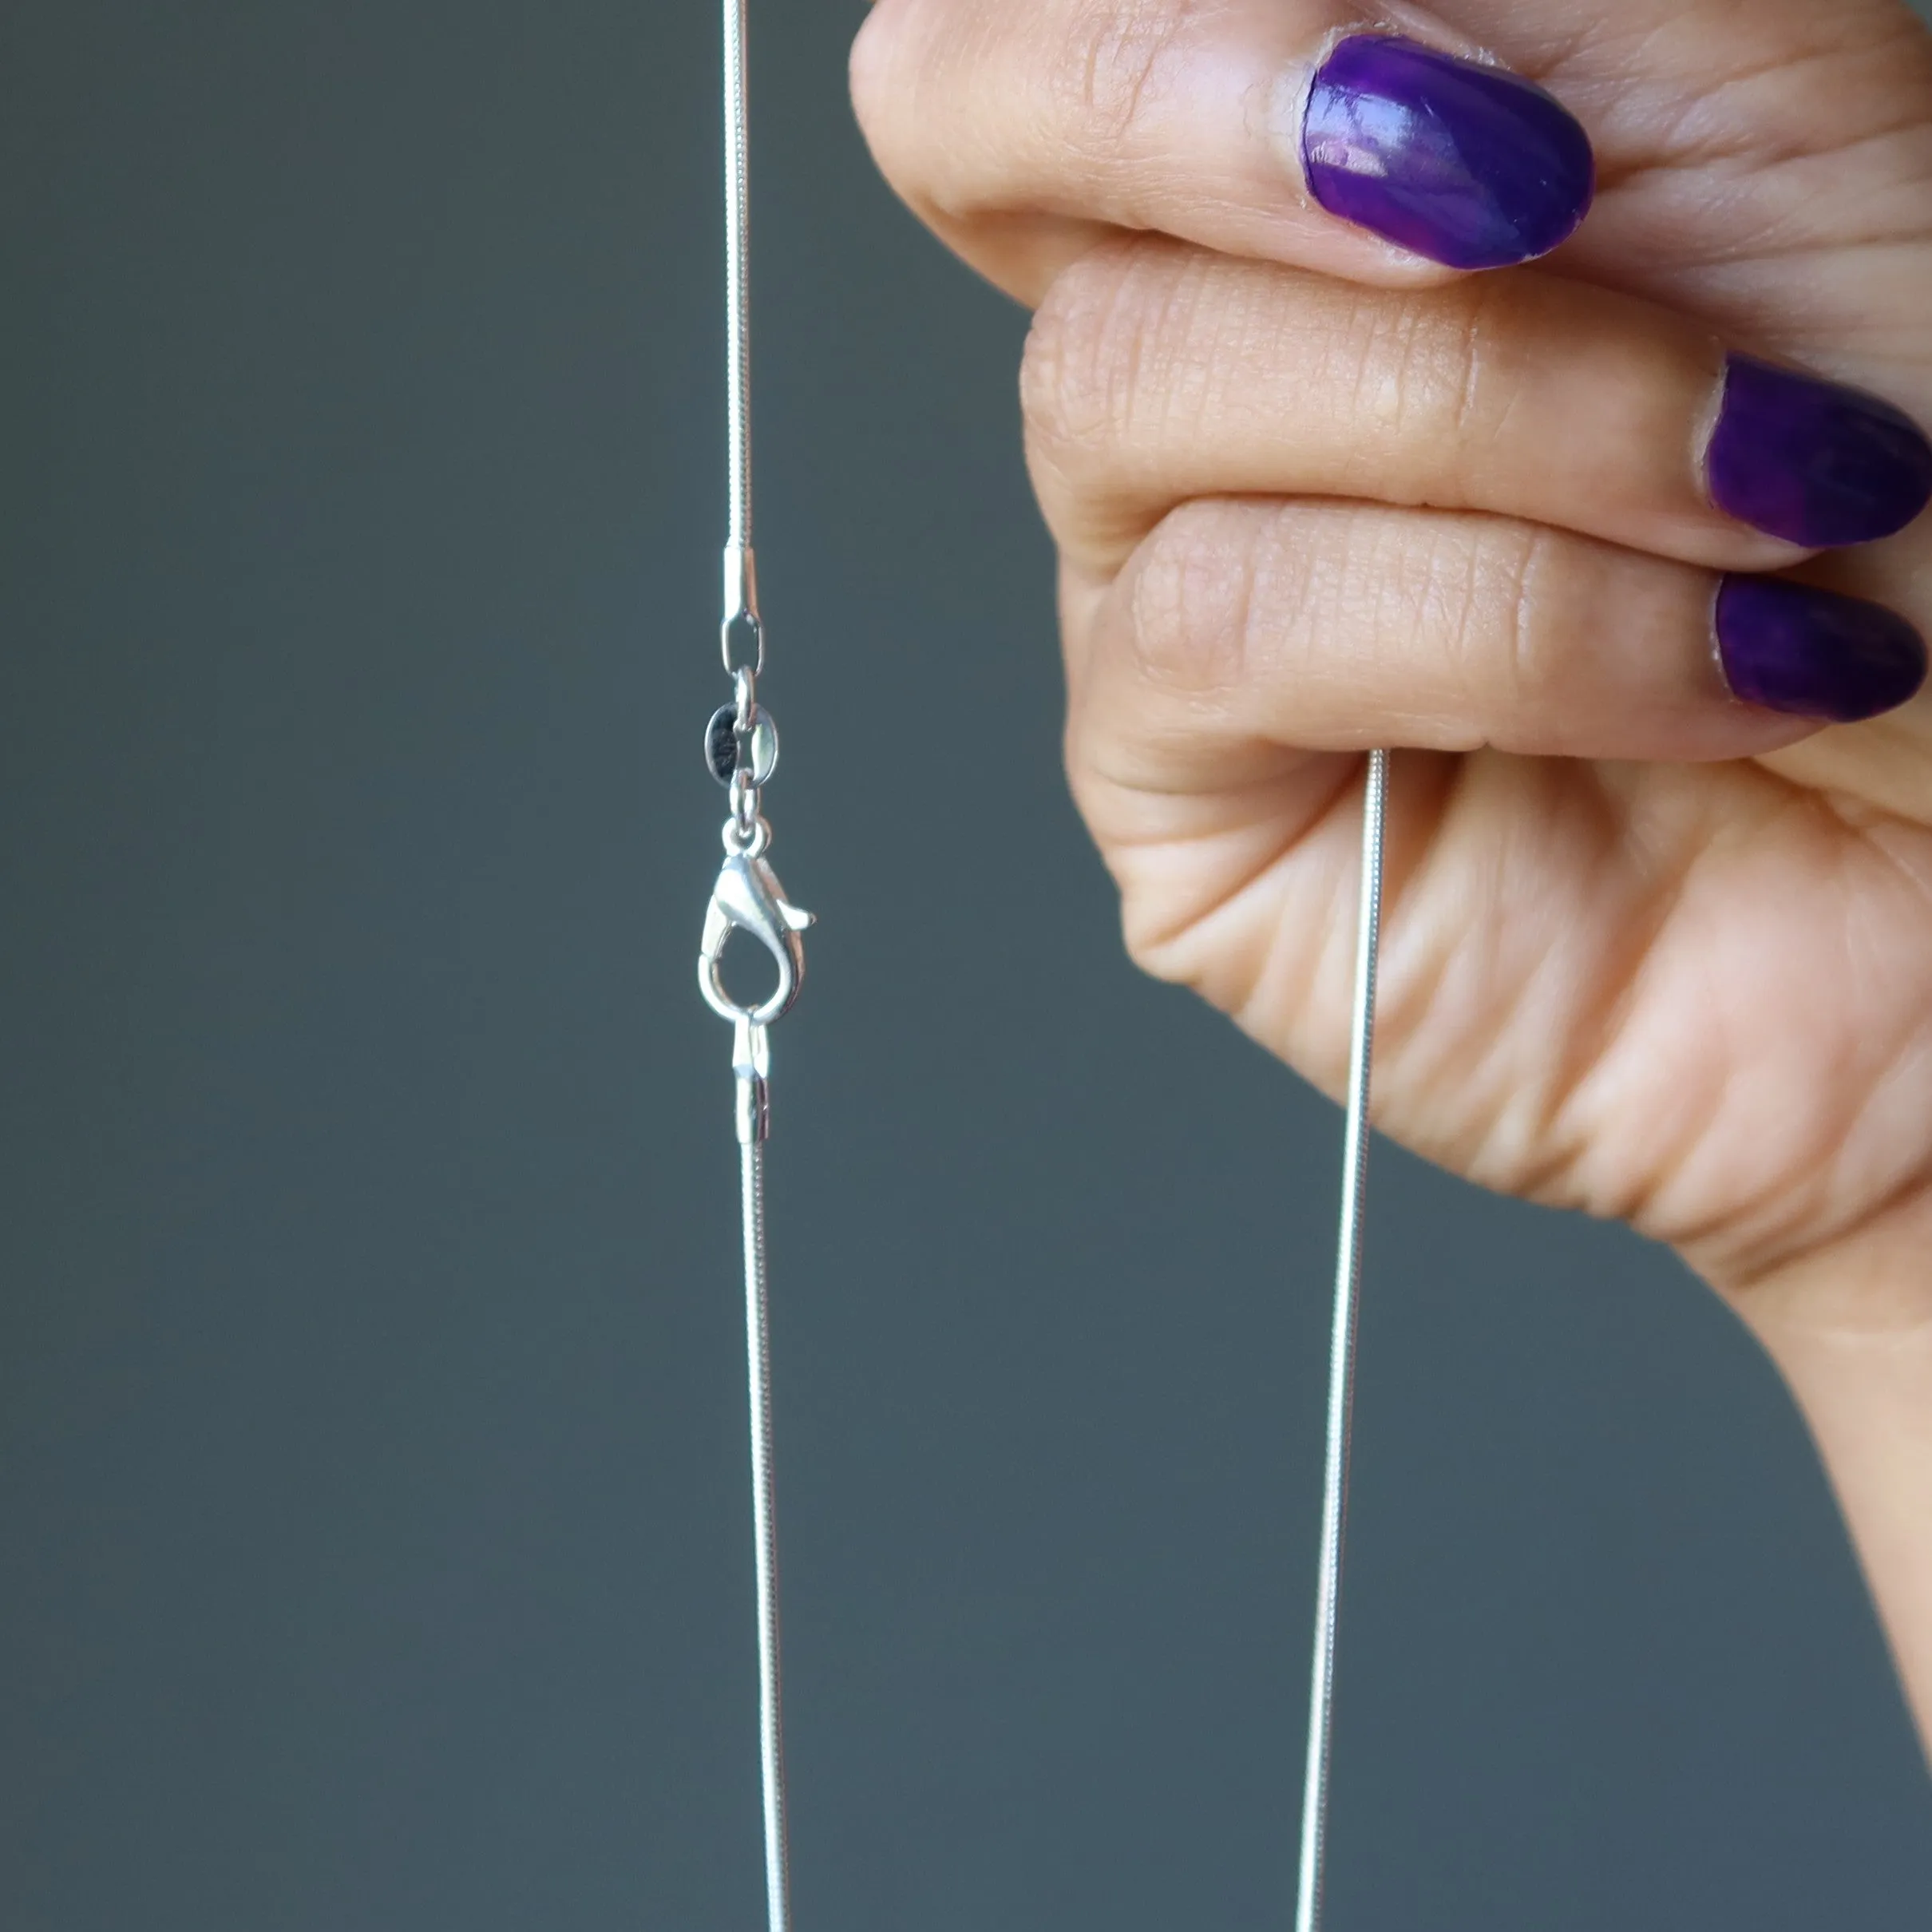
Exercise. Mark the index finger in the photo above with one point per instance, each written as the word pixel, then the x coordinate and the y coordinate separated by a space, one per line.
pixel 1293 130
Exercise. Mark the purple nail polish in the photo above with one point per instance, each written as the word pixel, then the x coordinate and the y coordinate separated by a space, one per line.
pixel 1791 648
pixel 1813 462
pixel 1465 164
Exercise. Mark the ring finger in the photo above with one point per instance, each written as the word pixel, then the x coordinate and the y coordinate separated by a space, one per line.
pixel 1246 639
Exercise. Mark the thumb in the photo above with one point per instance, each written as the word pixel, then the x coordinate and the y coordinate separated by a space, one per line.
pixel 1301 131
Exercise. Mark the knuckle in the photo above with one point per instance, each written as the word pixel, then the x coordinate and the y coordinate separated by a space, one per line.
pixel 1114 807
pixel 1078 372
pixel 896 65
pixel 866 68
pixel 1190 598
pixel 1068 84
pixel 1147 936
pixel 1107 363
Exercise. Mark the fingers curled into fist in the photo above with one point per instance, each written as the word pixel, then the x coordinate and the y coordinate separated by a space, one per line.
pixel 1604 445
pixel 1329 171
pixel 1534 388
pixel 1536 391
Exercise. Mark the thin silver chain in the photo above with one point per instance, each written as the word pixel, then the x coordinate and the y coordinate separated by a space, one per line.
pixel 771 1703
pixel 741 750
pixel 737 274
pixel 1342 1356
pixel 749 899
pixel 742 637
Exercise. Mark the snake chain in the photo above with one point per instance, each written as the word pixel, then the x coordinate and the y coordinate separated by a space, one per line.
pixel 741 747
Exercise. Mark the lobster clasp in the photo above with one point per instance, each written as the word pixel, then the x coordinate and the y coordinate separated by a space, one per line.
pixel 748 898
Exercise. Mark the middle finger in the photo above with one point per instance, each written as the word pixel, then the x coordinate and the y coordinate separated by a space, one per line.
pixel 1158 373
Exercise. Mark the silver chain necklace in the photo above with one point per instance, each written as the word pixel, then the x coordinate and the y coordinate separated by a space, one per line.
pixel 740 748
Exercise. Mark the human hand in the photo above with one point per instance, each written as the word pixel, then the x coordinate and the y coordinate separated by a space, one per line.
pixel 1656 945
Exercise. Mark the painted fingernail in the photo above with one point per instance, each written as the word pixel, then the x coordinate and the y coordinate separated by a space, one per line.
pixel 1463 163
pixel 1791 648
pixel 1813 462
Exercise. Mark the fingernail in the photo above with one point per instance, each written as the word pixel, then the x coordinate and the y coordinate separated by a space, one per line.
pixel 1465 164
pixel 1791 648
pixel 1813 462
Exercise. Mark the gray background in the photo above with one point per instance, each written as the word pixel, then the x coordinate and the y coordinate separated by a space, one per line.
pixel 371 1476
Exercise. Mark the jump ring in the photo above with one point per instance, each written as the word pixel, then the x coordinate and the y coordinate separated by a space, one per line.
pixel 751 844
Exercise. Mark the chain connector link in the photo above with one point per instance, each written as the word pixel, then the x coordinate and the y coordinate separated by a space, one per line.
pixel 743 796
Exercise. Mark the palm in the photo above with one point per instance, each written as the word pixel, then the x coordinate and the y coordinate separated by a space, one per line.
pixel 1695 997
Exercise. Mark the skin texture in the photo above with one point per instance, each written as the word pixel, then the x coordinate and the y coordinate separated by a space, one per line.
pixel 1650 952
